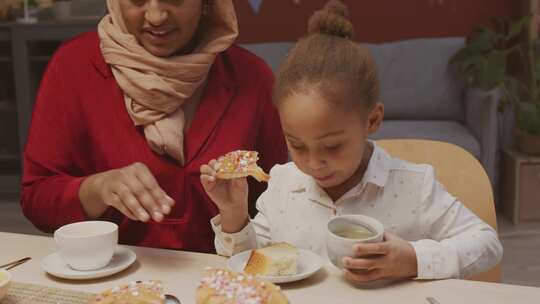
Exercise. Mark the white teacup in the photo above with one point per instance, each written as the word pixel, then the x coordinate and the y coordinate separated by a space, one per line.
pixel 87 245
pixel 338 247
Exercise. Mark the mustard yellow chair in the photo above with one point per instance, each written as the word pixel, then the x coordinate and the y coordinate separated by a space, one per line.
pixel 459 172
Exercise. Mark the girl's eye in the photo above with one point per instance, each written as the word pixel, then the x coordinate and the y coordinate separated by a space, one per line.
pixel 333 147
pixel 138 2
pixel 295 144
pixel 175 2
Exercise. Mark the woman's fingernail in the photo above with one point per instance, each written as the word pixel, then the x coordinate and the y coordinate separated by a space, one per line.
pixel 143 216
pixel 345 261
pixel 158 217
pixel 165 208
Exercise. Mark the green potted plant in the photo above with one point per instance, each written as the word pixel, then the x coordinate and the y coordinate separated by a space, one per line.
pixel 484 62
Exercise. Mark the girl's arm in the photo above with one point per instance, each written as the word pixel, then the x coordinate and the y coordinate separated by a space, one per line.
pixel 254 235
pixel 457 243
pixel 257 231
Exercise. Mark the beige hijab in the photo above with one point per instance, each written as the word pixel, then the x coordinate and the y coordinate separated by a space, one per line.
pixel 156 88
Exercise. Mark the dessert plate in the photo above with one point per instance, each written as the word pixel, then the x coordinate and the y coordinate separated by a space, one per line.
pixel 308 264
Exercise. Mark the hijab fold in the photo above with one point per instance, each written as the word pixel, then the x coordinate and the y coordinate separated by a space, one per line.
pixel 156 88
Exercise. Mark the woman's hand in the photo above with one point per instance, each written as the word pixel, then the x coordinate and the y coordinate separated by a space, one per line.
pixel 230 196
pixel 132 190
pixel 392 259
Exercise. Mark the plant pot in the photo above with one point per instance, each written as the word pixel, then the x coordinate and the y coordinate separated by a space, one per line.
pixel 527 143
pixel 62 10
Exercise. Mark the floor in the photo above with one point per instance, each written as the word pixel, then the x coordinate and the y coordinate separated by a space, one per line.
pixel 521 261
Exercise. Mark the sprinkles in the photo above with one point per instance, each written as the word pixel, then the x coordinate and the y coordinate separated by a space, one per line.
pixel 238 288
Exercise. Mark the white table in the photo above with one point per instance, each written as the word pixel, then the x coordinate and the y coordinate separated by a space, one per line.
pixel 181 271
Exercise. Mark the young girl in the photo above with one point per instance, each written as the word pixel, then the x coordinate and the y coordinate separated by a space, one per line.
pixel 327 97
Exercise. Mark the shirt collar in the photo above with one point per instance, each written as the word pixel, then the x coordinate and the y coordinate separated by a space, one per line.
pixel 378 168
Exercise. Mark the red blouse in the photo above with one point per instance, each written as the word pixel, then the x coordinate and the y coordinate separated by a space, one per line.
pixel 80 127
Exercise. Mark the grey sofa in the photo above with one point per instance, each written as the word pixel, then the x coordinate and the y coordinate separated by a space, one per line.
pixel 423 96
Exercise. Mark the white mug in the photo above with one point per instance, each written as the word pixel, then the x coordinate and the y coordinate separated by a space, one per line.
pixel 87 245
pixel 338 247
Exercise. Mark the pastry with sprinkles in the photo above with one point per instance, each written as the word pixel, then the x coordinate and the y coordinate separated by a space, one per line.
pixel 220 286
pixel 240 163
pixel 139 292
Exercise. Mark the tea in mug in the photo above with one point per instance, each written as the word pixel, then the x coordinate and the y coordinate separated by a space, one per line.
pixel 356 232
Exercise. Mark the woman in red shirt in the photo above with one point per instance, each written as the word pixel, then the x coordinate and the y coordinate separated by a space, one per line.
pixel 126 116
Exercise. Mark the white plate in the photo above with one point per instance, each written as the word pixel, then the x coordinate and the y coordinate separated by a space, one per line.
pixel 54 265
pixel 308 263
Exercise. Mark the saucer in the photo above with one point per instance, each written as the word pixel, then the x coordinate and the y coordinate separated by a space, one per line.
pixel 54 265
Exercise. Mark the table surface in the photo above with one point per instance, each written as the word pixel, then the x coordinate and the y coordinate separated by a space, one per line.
pixel 181 271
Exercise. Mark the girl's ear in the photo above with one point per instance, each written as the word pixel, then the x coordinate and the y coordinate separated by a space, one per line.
pixel 375 118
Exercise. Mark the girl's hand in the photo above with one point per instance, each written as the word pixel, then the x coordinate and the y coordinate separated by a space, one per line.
pixel 229 195
pixel 392 259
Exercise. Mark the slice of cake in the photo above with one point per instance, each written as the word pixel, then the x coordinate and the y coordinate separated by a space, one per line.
pixel 280 259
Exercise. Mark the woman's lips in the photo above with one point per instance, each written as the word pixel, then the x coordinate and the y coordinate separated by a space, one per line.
pixel 158 36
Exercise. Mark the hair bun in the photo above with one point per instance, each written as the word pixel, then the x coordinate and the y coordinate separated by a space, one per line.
pixel 332 19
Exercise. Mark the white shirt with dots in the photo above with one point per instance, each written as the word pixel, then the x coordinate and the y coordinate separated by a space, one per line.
pixel 450 241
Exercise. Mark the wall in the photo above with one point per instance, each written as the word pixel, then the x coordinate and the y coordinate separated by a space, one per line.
pixel 374 20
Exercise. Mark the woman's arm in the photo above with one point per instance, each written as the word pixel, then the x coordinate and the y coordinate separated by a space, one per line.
pixel 54 154
pixel 60 185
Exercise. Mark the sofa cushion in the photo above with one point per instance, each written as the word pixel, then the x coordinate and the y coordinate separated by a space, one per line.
pixel 416 81
pixel 440 130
